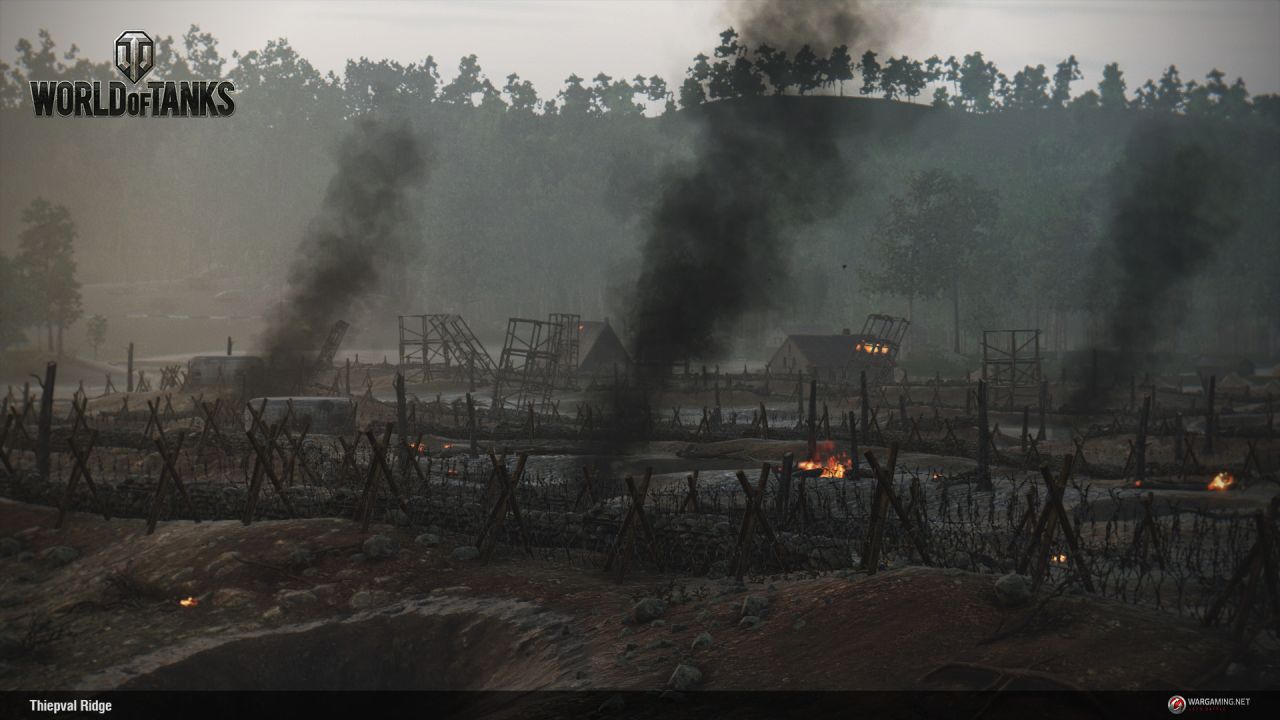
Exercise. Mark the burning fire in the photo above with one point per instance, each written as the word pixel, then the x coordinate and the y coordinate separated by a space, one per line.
pixel 872 348
pixel 188 602
pixel 421 448
pixel 1059 559
pixel 833 465
pixel 1222 481
pixel 448 445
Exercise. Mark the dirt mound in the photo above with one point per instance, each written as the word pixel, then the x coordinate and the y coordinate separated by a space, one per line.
pixel 433 643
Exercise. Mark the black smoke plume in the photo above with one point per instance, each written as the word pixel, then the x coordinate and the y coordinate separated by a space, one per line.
pixel 722 233
pixel 364 230
pixel 820 24
pixel 1171 214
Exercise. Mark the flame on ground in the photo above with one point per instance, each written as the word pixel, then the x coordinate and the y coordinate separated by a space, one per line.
pixel 833 464
pixel 1222 481
pixel 188 602
pixel 1059 559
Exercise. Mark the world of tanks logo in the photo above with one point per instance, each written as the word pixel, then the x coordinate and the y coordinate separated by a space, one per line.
pixel 134 56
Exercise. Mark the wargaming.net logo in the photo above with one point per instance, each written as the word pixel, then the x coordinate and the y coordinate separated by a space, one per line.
pixel 135 56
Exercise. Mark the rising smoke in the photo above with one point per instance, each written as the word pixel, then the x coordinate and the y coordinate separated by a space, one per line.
pixel 363 232
pixel 721 235
pixel 1171 214
pixel 821 24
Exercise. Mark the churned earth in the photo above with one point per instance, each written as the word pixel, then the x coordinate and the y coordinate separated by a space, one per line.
pixel 316 604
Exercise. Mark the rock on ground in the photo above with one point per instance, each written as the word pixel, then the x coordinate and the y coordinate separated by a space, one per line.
pixel 466 553
pixel 649 609
pixel 1013 590
pixel 685 677
pixel 427 540
pixel 754 605
pixel 380 547
pixel 9 546
pixel 58 555
pixel 703 640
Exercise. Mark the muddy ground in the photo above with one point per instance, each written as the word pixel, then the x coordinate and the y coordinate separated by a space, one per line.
pixel 293 604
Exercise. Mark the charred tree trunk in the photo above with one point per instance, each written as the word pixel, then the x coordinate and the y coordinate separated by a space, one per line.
pixel 866 403
pixel 1141 451
pixel 984 440
pixel 128 386
pixel 955 308
pixel 813 419
pixel 45 421
pixel 1209 423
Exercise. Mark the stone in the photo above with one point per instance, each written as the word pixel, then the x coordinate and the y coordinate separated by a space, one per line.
pixel 684 677
pixel 702 641
pixel 380 547
pixel 296 598
pixel 748 622
pixel 300 557
pixel 58 555
pixel 231 598
pixel 427 540
pixel 10 547
pixel 1013 590
pixel 397 516
pixel 649 609
pixel 465 553
pixel 365 599
pixel 755 605
pixel 274 615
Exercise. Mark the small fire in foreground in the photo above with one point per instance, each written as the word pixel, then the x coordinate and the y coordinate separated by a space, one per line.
pixel 833 465
pixel 188 602
pixel 1222 481
pixel 1059 559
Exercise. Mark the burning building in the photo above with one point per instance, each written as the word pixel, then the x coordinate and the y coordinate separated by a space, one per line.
pixel 838 358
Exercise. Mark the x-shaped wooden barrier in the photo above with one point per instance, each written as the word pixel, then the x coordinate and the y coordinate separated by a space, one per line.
pixel 586 491
pixel 886 495
pixel 691 497
pixel 378 465
pixel 4 438
pixel 263 465
pixel 81 469
pixel 505 503
pixel 1084 462
pixel 755 514
pixel 1052 515
pixel 168 471
pixel 1147 528
pixel 621 550
pixel 1259 565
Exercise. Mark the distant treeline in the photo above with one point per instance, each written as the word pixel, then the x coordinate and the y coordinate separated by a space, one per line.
pixel 970 83
pixel 541 205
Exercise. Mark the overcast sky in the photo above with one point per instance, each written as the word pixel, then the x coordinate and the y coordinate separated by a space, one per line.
pixel 546 40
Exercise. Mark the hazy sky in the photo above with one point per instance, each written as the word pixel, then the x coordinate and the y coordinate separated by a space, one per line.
pixel 546 40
